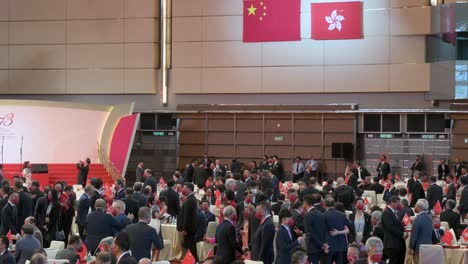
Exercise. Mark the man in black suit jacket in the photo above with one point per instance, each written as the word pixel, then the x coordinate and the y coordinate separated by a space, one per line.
pixel 99 225
pixel 278 167
pixel 119 186
pixel 377 230
pixel 4 192
pixel 137 195
pixel 286 240
pixel 226 236
pixel 434 193
pixel 383 168
pixel 143 238
pixel 25 206
pixel 376 186
pixel 418 190
pixel 437 233
pixel 190 171
pixel 131 205
pixel 417 166
pixel 360 171
pixel 314 229
pixel 206 162
pixel 209 216
pixel 187 220
pixel 451 189
pixel 83 209
pixel 344 194
pixel 353 183
pixel 394 232
pixel 150 180
pixel 443 170
pixel 121 249
pixel 172 197
pixel 10 215
pixel 97 184
pixel 262 243
pixel 139 172
pixel 35 193
pixel 5 256
pixel 219 171
pixel 336 223
pixel 450 216
pixel 457 168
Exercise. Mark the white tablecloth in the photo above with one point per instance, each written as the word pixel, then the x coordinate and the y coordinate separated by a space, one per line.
pixel 169 232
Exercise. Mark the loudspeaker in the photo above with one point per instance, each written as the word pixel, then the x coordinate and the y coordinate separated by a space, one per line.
pixel 342 150
pixel 40 168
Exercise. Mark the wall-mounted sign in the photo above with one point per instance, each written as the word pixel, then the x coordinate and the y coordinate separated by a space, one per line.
pixel 466 140
pixel 159 133
pixel 279 138
pixel 386 136
pixel 428 136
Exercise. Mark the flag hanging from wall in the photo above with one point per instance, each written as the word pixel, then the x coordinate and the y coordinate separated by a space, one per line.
pixel 336 20
pixel 272 20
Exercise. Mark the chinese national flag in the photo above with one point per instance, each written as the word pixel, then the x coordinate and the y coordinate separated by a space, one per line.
pixel 406 220
pixel 464 234
pixel 188 259
pixel 447 238
pixel 336 20
pixel 272 20
pixel 437 208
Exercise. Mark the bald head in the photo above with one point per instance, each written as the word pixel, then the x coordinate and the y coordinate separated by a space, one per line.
pixel 100 204
pixel 144 261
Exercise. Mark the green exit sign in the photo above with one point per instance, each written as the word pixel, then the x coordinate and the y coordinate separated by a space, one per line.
pixel 386 136
pixel 428 136
pixel 159 133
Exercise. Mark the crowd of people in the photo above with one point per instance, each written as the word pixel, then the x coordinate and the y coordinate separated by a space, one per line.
pixel 316 223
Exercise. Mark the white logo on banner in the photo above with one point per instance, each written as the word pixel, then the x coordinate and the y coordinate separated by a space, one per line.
pixel 334 20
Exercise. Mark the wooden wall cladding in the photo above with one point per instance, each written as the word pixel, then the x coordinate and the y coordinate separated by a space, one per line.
pixel 460 133
pixel 248 136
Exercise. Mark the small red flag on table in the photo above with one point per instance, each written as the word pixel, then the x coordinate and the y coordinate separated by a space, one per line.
pixel 366 202
pixel 9 235
pixel 447 238
pixel 406 220
pixel 464 234
pixel 210 253
pixel 188 259
pixel 437 208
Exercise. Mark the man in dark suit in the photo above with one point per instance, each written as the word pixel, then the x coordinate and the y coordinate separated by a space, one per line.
pixel 262 243
pixel 187 220
pixel 172 197
pixel 131 205
pixel 383 168
pixel 275 184
pixel 451 189
pixel 374 248
pixel 10 215
pixel 119 190
pixel 200 176
pixel 376 186
pixel 418 190
pixel 360 171
pixel 190 171
pixel 443 170
pixel 5 256
pixel 464 196
pixel 150 180
pixel 314 229
pixel 71 252
pixel 421 230
pixel 241 188
pixel 285 238
pixel 97 192
pixel 139 172
pixel 275 208
pixel 278 167
pixel 118 210
pixel 434 193
pixel 437 233
pixel 226 236
pixel 121 249
pixel 417 166
pixel 450 216
pixel 310 188
pixel 83 209
pixel 137 195
pixel 394 232
pixel 344 194
pixel 99 225
pixel 27 245
pixel 143 238
pixel 209 216
pixel 457 168
pixel 25 206
pixel 219 171
pixel 206 162
pixel 376 219
pixel 35 192
pixel 338 226
pixel 4 193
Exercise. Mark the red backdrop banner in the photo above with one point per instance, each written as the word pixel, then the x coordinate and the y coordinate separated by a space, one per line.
pixel 122 141
pixel 272 20
pixel 336 20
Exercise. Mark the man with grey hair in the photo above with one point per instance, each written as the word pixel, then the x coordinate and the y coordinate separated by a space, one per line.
pixel 299 257
pixel 143 238
pixel 421 231
pixel 83 209
pixel 377 230
pixel 118 211
pixel 226 236
pixel 38 258
pixel 374 248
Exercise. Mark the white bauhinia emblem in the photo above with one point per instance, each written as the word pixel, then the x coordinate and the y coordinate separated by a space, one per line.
pixel 334 20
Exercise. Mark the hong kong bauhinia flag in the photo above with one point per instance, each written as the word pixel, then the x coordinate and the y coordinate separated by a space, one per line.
pixel 272 20
pixel 336 20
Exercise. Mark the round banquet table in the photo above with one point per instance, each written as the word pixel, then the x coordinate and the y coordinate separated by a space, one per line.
pixel 169 232
pixel 456 255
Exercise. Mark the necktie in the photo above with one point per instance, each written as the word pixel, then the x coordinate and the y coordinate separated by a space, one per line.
pixel 297 168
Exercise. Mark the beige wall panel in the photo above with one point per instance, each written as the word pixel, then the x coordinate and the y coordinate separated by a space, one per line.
pixel 407 49
pixel 249 138
pixel 351 78
pixel 37 81
pixel 140 81
pixel 338 116
pixel 339 126
pixel 222 28
pixel 273 139
pixel 301 125
pixel 108 81
pixel 186 54
pixel 372 50
pixel 141 8
pixel 95 56
pixel 92 9
pixel 278 125
pixel 368 4
pixel 38 32
pixel 221 138
pixel 231 80
pixel 409 3
pixel 192 125
pixel 38 10
pixel 304 151
pixel 410 21
pixel 186 29
pixel 37 57
pixel 141 30
pixel 95 31
pixel 181 8
pixel 4 83
pixel 376 22
pixel 191 150
pixel 250 125
pixel 308 139
pixel 222 7
pixel 284 152
pixel 249 152
pixel 4 33
pixel 410 77
pixel 292 79
pixel 4 54
pixel 220 151
pixel 223 125
pixel 192 138
pixel 231 54
pixel 305 52
pixel 4 9
pixel 141 55
pixel 186 80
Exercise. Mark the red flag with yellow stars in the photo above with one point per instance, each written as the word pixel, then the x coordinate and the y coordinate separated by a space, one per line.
pixel 272 20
